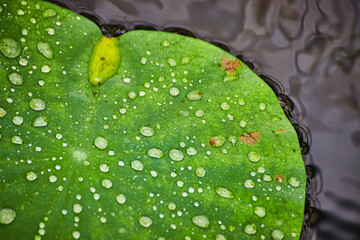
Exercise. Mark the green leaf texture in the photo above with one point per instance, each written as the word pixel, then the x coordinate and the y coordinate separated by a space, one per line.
pixel 183 141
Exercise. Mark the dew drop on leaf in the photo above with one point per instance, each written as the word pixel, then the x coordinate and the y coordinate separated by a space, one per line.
pixel 7 215
pixel 201 221
pixel 277 234
pixel 145 221
pixel 40 122
pixel 9 47
pixel 224 192
pixel 146 131
pixel 155 152
pixel 121 198
pixel 254 156
pixel 37 104
pixel 260 211
pixel 45 49
pixel 15 78
pixel 137 165
pixel 106 183
pixel 31 176
pixel 101 143
pixel 250 229
pixel 176 154
pixel 194 95
pixel 49 13
pixel 2 112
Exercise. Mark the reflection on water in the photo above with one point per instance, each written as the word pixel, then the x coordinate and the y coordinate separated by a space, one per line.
pixel 312 49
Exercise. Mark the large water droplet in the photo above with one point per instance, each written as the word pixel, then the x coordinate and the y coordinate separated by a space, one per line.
pixel 250 229
pixel 7 216
pixel 31 176
pixel 2 112
pixel 155 153
pixel 37 104
pixel 176 155
pixel 49 13
pixel 225 106
pixel 254 156
pixel 101 142
pixel 45 49
pixel 277 234
pixel 217 141
pixel 191 151
pixel 106 183
pixel 9 47
pixel 104 167
pixel 260 211
pixel 40 122
pixel 194 95
pixel 18 120
pixel 146 131
pixel 15 78
pixel 220 237
pixel 77 208
pixel 249 183
pixel 121 198
pixel 201 221
pixel 145 221
pixel 172 62
pixel 137 165
pixel 200 172
pixel 17 140
pixel 174 91
pixel 224 192
pixel 293 181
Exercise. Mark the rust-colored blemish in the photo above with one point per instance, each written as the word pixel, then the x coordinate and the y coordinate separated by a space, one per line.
pixel 281 130
pixel 212 141
pixel 229 65
pixel 250 138
pixel 279 178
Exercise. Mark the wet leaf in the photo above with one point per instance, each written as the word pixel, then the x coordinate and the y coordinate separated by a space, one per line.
pixel 154 152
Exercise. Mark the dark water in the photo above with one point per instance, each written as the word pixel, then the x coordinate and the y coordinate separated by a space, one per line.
pixel 312 50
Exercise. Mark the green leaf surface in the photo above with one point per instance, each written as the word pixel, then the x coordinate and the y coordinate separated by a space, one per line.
pixel 182 141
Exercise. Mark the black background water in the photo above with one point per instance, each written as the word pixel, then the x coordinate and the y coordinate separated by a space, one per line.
pixel 312 49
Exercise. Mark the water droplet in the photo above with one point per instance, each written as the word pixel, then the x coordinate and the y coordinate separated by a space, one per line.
pixel 18 120
pixel 121 198
pixel 249 183
pixel 250 229
pixel 217 141
pixel 199 113
pixel 191 151
pixel 232 139
pixel 52 178
pixel 194 95
pixel 37 104
pixel 254 156
pixel 77 208
pixel 49 13
pixel 104 167
pixel 224 192
pixel 200 172
pixel 176 155
pixel 172 62
pixel 2 112
pixel 155 153
pixel 101 143
pixel 122 110
pixel 241 102
pixel 76 234
pixel 172 206
pixel 40 122
pixel 132 95
pixel 106 183
pixel 242 124
pixel 145 221
pixel 260 211
pixel 262 106
pixel 225 106
pixel 17 140
pixel 201 221
pixel 45 69
pixel 7 215
pixel 185 60
pixel 267 178
pixel 146 131
pixel 31 176
pixel 220 237
pixel 78 155
pixel 293 181
pixel 174 91
pixel 45 49
pixel 165 43
pixel 9 47
pixel 143 60
pixel 15 78
pixel 50 31
pixel 137 165
pixel 277 234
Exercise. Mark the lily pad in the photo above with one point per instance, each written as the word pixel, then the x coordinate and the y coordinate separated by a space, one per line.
pixel 172 139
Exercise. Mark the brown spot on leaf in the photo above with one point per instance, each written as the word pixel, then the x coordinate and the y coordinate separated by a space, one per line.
pixel 212 141
pixel 229 65
pixel 279 178
pixel 250 138
pixel 282 130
